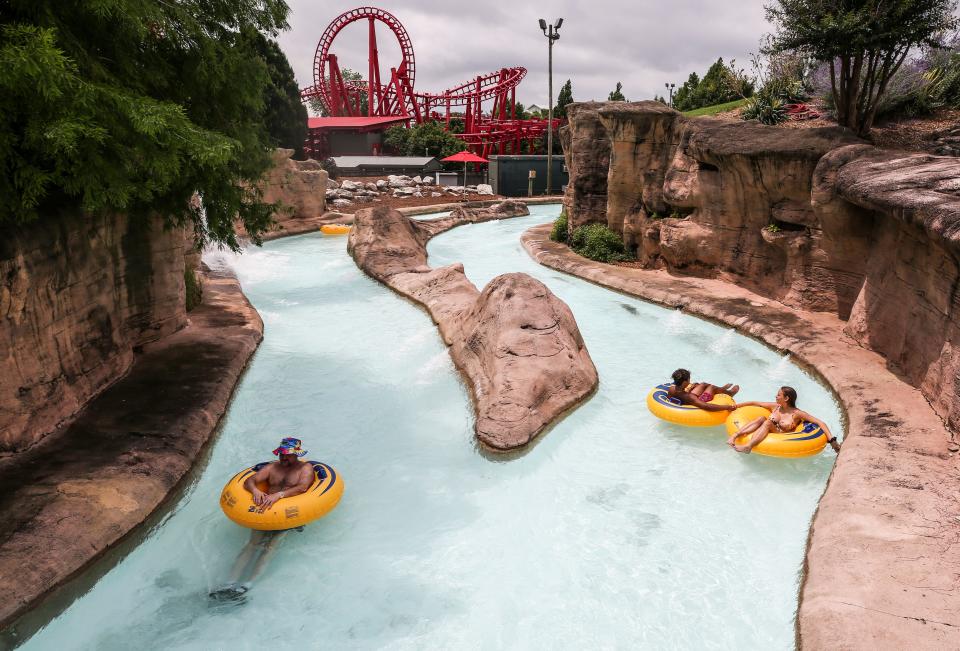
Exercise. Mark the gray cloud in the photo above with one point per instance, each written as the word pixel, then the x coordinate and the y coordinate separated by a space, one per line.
pixel 641 44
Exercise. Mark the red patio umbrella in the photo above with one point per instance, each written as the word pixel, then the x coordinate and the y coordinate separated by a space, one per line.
pixel 465 157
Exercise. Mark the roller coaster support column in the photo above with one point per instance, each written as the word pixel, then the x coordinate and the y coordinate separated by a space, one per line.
pixel 552 32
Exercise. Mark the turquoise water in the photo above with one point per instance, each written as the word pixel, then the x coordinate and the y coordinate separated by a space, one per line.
pixel 615 531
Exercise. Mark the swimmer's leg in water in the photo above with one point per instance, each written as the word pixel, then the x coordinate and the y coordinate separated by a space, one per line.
pixel 251 561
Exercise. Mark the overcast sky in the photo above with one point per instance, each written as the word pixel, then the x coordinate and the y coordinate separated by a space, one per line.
pixel 642 43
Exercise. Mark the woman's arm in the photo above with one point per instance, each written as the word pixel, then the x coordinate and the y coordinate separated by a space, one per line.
pixel 831 439
pixel 754 403
pixel 706 406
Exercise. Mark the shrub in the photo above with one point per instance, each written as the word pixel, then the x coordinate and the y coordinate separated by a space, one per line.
pixel 559 232
pixel 765 108
pixel 597 242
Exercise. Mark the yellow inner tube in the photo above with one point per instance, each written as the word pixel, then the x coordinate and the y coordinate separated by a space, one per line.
pixel 288 512
pixel 666 408
pixel 335 229
pixel 805 441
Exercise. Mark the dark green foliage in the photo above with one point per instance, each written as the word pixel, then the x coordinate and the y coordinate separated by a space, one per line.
pixel 521 113
pixel 330 167
pixel 597 242
pixel 559 232
pixel 616 95
pixel 865 44
pixel 194 289
pixel 565 97
pixel 419 140
pixel 714 88
pixel 286 116
pixel 131 105
pixel 766 109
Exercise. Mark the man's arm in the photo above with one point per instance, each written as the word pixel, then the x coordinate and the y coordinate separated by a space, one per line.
pixel 259 477
pixel 302 486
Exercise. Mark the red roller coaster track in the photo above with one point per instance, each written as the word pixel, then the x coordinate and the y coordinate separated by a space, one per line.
pixel 485 133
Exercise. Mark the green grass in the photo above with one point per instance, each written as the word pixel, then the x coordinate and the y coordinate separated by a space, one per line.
pixel 716 108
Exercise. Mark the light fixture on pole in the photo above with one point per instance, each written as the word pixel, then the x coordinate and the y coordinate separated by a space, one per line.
pixel 670 87
pixel 552 32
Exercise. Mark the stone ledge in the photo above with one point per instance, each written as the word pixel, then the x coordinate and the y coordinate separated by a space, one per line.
pixel 882 565
pixel 83 489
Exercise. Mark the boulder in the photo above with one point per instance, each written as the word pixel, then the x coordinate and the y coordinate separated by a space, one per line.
pixel 299 186
pixel 517 343
pixel 403 192
pixel 382 184
pixel 417 180
pixel 371 187
pixel 395 181
pixel 485 189
pixel 351 186
pixel 342 203
pixel 332 185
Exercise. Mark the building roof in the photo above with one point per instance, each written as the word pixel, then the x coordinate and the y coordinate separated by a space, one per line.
pixel 350 123
pixel 382 161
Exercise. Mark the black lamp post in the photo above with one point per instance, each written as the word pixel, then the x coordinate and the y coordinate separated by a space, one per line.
pixel 552 32
pixel 670 87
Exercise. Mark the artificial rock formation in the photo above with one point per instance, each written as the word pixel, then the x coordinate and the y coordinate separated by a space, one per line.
pixel 300 188
pixel 845 238
pixel 906 209
pixel 517 344
pixel 587 153
pixel 80 294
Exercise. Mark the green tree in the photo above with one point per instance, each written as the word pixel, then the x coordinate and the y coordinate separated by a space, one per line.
pixel 129 105
pixel 428 138
pixel 714 88
pixel 521 112
pixel 684 94
pixel 348 75
pixel 286 116
pixel 616 95
pixel 864 43
pixel 565 97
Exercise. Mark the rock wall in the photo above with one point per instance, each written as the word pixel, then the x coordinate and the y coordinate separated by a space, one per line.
pixel 813 218
pixel 906 208
pixel 588 160
pixel 299 186
pixel 516 343
pixel 79 294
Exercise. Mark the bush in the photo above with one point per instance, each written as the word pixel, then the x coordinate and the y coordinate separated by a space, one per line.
pixel 597 242
pixel 765 108
pixel 924 84
pixel 559 232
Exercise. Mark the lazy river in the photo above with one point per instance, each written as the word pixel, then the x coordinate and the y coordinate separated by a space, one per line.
pixel 614 530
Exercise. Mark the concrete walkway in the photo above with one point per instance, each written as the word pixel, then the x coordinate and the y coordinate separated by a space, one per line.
pixel 883 558
pixel 83 489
